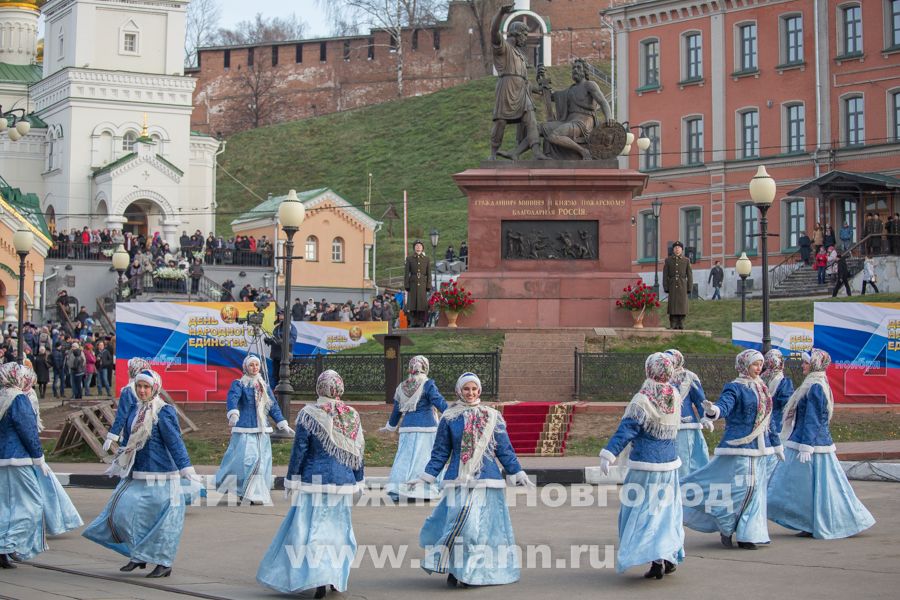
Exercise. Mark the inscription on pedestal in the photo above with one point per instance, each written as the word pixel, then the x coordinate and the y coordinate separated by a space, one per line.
pixel 549 208
pixel 549 240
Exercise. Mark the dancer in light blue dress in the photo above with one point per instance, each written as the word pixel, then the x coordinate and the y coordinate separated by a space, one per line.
pixel 144 518
pixel 415 403
pixel 315 546
pixel 692 448
pixel 469 534
pixel 246 468
pixel 780 388
pixel 729 494
pixel 127 400
pixel 650 528
pixel 22 466
pixel 809 492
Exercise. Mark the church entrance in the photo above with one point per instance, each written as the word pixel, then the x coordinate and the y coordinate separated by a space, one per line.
pixel 136 218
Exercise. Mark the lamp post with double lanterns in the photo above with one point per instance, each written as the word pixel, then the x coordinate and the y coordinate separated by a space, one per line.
pixel 435 238
pixel 14 123
pixel 643 142
pixel 743 266
pixel 23 240
pixel 120 260
pixel 762 192
pixel 656 205
pixel 291 213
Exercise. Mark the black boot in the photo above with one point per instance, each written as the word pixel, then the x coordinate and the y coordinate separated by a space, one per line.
pixel 670 567
pixel 804 534
pixel 5 563
pixel 747 546
pixel 655 572
pixel 726 540
pixel 132 565
pixel 321 591
pixel 159 571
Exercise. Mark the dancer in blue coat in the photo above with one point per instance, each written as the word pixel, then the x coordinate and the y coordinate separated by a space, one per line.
pixel 415 403
pixel 246 468
pixel 692 448
pixel 739 466
pixel 22 466
pixel 144 518
pixel 469 534
pixel 650 528
pixel 780 388
pixel 809 492
pixel 315 546
pixel 127 400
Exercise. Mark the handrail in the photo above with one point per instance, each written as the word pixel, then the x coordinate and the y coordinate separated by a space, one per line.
pixel 780 272
pixel 861 245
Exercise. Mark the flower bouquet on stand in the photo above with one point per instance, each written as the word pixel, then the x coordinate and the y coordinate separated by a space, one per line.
pixel 453 300
pixel 637 298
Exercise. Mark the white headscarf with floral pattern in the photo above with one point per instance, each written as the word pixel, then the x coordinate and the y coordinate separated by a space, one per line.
pixel 657 405
pixel 336 425
pixel 818 364
pixel 409 392
pixel 479 425
pixel 742 363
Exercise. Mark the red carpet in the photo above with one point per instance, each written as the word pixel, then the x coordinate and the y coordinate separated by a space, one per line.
pixel 528 423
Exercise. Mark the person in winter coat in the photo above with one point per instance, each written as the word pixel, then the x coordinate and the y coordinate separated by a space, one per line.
pixel 41 366
pixel 75 364
pixel 821 264
pixel 869 274
pixel 842 272
pixel 105 364
pixel 90 368
pixel 58 362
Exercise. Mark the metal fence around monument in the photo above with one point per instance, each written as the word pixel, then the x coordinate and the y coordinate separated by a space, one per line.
pixel 364 373
pixel 614 377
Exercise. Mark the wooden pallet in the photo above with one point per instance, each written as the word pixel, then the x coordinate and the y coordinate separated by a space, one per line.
pixel 90 424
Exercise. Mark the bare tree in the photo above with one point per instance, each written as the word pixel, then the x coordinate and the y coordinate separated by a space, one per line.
pixel 391 16
pixel 260 30
pixel 482 11
pixel 259 92
pixel 201 28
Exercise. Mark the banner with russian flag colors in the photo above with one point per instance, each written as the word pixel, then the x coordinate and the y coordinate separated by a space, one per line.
pixel 197 347
pixel 863 339
pixel 314 337
pixel 792 338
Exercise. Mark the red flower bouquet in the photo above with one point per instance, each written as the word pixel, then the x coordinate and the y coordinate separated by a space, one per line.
pixel 452 297
pixel 638 297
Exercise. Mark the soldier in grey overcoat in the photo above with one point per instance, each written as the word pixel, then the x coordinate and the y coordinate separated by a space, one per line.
pixel 678 280
pixel 417 282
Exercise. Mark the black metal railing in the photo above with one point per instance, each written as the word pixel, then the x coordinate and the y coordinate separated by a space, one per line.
pixel 103 252
pixel 614 377
pixel 364 373
pixel 780 272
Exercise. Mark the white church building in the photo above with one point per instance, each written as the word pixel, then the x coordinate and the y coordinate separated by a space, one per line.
pixel 110 142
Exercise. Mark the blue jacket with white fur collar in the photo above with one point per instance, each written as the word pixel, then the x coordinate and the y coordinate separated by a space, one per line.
pixel 737 405
pixel 811 432
pixel 422 418
pixel 242 398
pixel 19 441
pixel 164 452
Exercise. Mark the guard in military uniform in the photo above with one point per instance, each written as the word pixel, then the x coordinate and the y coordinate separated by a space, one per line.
pixel 678 280
pixel 417 281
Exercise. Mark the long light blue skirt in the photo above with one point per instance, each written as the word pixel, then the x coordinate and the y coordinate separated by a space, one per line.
pixel 816 497
pixel 650 519
pixel 413 453
pixel 772 462
pixel 470 535
pixel 21 512
pixel 246 468
pixel 729 496
pixel 60 514
pixel 692 450
pixel 314 546
pixel 143 521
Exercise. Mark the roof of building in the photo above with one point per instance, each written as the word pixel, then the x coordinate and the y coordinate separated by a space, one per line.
pixel 26 206
pixel 269 208
pixel 20 73
pixel 131 156
pixel 835 182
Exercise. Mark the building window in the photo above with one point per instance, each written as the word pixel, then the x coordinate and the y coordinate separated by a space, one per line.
pixel 795 123
pixel 749 124
pixel 892 20
pixel 312 249
pixel 128 141
pixel 793 39
pixel 60 45
pixel 437 39
pixel 337 250
pixel 393 43
pixel 226 59
pixel 795 221
pixel 250 56
pixel 894 109
pixel 129 43
pixel 298 53
pixel 693 223
pixel 748 228
pixel 371 48
pixel 747 48
pixel 854 121
pixel 415 40
pixel 650 63
pixel 851 30
pixel 693 57
pixel 346 50
pixel 648 236
pixel 274 56
pixel 693 129
pixel 323 52
pixel 650 158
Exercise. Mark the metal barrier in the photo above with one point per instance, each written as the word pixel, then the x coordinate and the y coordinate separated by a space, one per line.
pixel 614 377
pixel 364 373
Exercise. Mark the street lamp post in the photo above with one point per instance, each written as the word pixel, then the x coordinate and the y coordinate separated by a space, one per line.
pixel 743 266
pixel 120 260
pixel 656 205
pixel 762 192
pixel 435 238
pixel 23 239
pixel 291 214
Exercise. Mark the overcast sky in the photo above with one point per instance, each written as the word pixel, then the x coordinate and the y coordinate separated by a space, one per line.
pixel 308 11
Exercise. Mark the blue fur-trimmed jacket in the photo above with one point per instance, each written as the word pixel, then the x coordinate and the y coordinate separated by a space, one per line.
pixel 779 400
pixel 313 469
pixel 127 400
pixel 19 441
pixel 164 453
pixel 693 400
pixel 737 405
pixel 242 400
pixel 422 418
pixel 811 432
pixel 447 446
pixel 648 453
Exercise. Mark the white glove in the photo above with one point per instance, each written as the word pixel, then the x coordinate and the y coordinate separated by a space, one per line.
pixel 107 445
pixel 521 479
pixel 417 481
pixel 190 473
pixel 387 428
pixel 233 419
pixel 283 426
pixel 604 465
pixel 779 452
pixel 805 456
pixel 43 466
pixel 707 424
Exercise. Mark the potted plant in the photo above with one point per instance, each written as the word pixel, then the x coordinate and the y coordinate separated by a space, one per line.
pixel 453 300
pixel 637 298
